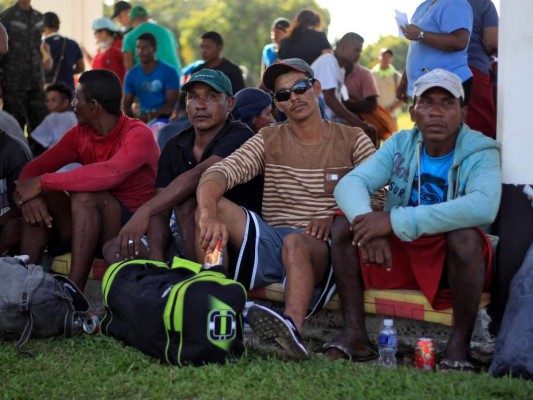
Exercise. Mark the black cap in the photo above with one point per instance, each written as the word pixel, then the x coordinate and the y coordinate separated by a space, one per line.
pixel 119 7
pixel 289 64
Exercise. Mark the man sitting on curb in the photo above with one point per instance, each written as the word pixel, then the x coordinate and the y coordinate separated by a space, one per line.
pixel 83 208
pixel 212 136
pixel 302 161
pixel 444 183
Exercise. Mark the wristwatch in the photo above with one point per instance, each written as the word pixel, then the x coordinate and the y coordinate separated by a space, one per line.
pixel 420 37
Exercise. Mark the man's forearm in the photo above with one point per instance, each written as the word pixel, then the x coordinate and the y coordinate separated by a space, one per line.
pixel 208 195
pixel 366 106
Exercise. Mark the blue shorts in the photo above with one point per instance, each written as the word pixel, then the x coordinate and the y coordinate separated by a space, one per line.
pixel 259 262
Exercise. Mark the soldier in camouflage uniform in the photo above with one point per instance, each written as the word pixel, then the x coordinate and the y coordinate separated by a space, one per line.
pixel 22 70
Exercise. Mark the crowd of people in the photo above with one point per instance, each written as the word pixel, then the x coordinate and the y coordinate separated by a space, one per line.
pixel 139 158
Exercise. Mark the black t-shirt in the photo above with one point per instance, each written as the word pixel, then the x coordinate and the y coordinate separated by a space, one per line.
pixel 67 65
pixel 307 45
pixel 177 158
pixel 12 159
pixel 231 70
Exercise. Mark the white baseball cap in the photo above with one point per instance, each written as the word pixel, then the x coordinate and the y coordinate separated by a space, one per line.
pixel 439 78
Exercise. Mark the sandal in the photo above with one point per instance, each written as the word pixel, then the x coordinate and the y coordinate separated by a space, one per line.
pixel 447 365
pixel 350 356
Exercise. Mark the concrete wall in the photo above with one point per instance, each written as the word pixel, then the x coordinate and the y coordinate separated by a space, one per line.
pixel 76 17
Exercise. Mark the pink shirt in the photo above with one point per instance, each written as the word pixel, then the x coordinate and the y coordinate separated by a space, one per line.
pixel 360 83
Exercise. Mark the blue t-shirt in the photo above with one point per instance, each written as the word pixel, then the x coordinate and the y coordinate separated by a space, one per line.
pixel 269 54
pixel 485 15
pixel 440 17
pixel 151 88
pixel 67 65
pixel 434 183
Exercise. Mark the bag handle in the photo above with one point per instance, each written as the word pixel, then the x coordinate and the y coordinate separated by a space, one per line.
pixel 33 279
pixel 26 333
pixel 191 266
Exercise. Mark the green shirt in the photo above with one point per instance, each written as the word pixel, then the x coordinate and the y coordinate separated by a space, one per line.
pixel 167 44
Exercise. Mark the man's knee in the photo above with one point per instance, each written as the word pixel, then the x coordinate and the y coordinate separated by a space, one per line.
pixel 82 201
pixel 340 231
pixel 109 251
pixel 464 244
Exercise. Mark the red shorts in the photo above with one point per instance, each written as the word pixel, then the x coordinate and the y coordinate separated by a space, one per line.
pixel 418 265
pixel 481 115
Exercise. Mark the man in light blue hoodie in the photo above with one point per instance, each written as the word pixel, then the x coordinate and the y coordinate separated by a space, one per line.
pixel 444 183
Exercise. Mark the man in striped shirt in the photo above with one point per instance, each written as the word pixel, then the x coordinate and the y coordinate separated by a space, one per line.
pixel 302 161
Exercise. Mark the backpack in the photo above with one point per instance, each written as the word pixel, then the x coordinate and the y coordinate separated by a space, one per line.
pixel 514 346
pixel 177 313
pixel 36 304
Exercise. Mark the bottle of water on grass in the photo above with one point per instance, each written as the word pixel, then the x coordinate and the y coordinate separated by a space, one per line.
pixel 388 344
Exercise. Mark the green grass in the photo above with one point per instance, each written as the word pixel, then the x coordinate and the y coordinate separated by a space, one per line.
pixel 98 367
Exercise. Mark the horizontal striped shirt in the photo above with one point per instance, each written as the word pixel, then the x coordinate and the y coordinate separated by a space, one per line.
pixel 299 177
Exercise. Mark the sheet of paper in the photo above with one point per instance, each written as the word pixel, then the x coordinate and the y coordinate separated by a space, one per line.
pixel 401 20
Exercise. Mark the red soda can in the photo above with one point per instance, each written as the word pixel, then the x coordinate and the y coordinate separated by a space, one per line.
pixel 214 258
pixel 425 354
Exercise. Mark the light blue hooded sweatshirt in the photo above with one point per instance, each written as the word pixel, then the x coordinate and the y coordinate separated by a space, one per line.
pixel 474 188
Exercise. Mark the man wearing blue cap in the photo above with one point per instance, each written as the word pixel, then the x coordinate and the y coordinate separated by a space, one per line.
pixel 212 136
pixel 444 184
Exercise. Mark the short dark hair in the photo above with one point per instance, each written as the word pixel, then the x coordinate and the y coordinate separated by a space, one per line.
pixel 51 20
pixel 103 86
pixel 214 36
pixel 350 37
pixel 148 37
pixel 61 88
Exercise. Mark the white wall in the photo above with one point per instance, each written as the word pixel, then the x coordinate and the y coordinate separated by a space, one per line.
pixel 76 17
pixel 515 91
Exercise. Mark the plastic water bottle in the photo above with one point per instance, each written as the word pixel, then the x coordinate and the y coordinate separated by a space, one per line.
pixel 388 344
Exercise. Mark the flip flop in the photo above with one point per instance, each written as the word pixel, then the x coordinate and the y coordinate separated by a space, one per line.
pixel 447 365
pixel 348 355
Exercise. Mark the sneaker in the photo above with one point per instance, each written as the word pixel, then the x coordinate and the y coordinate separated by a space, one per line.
pixel 272 327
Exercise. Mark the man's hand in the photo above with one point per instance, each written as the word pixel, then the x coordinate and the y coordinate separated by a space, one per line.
pixel 320 228
pixel 35 212
pixel 370 226
pixel 377 251
pixel 129 238
pixel 27 189
pixel 211 231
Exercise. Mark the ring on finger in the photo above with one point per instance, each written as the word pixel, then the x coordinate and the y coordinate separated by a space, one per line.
pixel 130 242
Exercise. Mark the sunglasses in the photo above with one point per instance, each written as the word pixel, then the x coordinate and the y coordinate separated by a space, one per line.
pixel 299 88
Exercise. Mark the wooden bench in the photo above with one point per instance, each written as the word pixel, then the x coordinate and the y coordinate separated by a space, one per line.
pixel 410 304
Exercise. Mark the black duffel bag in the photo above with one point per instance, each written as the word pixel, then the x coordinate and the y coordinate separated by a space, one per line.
pixel 177 313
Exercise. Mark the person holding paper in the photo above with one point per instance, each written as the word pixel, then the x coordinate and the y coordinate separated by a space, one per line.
pixel 439 33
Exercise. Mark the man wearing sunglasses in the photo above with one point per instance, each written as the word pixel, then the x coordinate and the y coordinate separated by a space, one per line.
pixel 301 160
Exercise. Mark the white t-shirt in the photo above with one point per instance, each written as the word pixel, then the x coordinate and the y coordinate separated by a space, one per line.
pixel 331 76
pixel 53 127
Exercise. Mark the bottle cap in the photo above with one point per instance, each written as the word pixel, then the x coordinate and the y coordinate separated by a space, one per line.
pixel 388 322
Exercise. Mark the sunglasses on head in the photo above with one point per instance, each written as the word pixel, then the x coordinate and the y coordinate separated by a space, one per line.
pixel 299 88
